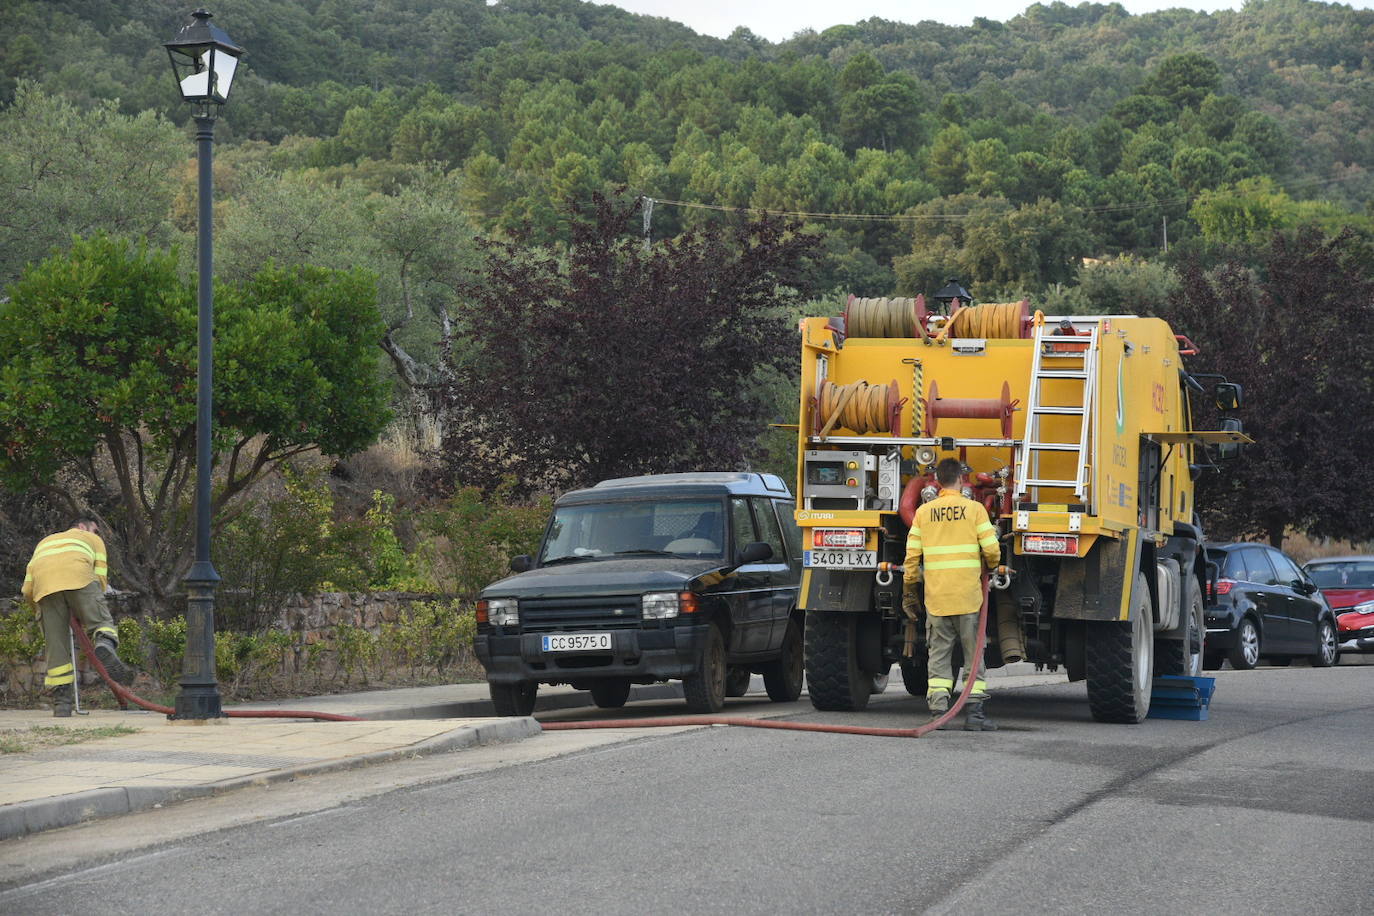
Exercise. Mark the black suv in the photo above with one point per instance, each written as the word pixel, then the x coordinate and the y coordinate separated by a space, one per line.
pixel 645 579
pixel 1259 604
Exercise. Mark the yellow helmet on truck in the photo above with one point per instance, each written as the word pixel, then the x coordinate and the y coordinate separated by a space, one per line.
pixel 1077 436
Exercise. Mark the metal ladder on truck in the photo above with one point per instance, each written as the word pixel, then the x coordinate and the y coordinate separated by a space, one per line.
pixel 1082 368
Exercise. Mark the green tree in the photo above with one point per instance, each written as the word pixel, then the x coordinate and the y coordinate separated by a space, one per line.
pixel 98 378
pixel 65 172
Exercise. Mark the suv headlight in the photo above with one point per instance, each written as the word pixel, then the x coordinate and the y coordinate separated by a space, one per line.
pixel 503 612
pixel 663 605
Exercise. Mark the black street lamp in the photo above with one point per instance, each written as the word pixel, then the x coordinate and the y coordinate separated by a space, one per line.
pixel 203 60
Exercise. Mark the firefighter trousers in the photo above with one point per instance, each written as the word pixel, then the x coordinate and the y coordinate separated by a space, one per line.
pixel 941 635
pixel 55 611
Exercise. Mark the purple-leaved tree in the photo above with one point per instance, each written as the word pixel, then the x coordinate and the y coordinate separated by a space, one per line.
pixel 1292 322
pixel 611 359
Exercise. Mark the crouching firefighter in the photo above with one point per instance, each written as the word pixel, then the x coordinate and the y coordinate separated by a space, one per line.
pixel 953 539
pixel 67 577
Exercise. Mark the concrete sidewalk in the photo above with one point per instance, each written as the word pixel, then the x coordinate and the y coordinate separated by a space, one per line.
pixel 165 762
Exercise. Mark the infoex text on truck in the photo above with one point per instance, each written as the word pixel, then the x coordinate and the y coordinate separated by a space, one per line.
pixel 1076 434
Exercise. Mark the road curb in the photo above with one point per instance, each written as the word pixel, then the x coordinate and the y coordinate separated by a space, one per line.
pixel 41 814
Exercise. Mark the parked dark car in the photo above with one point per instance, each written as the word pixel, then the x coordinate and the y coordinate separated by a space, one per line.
pixel 1260 605
pixel 690 577
pixel 1348 585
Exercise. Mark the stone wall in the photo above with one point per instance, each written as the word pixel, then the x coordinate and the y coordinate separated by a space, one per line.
pixel 314 616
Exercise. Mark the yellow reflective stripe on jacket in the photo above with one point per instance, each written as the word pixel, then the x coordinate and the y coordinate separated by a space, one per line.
pixel 65 546
pixel 970 563
pixel 951 548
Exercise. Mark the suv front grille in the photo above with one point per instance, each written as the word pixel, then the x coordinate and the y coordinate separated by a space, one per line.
pixel 607 612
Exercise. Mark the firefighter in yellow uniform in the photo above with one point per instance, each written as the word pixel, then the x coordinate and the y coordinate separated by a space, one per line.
pixel 952 537
pixel 68 576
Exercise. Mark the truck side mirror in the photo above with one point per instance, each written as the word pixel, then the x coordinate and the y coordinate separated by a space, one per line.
pixel 1228 396
pixel 754 552
pixel 522 563
pixel 1229 451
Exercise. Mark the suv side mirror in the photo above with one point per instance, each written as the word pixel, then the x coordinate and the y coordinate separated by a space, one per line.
pixel 1229 451
pixel 1303 587
pixel 1228 396
pixel 522 563
pixel 754 552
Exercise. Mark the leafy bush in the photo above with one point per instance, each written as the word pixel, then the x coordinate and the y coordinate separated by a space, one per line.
pixel 370 554
pixel 21 642
pixel 279 549
pixel 472 537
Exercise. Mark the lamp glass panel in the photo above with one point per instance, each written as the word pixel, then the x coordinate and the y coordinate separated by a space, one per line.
pixel 225 65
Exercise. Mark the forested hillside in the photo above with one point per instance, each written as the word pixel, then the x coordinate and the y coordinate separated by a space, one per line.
pixel 1010 150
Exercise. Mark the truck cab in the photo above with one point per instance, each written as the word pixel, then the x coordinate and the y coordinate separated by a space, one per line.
pixel 689 577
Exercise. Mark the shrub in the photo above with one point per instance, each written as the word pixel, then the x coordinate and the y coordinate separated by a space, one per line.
pixel 473 536
pixel 21 641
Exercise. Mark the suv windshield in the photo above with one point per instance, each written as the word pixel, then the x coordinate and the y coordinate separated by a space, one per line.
pixel 1343 575
pixel 644 527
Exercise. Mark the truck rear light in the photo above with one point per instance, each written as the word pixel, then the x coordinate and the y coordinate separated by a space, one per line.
pixel 838 537
pixel 1059 545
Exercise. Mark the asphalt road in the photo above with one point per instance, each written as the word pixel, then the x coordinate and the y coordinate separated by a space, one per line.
pixel 1268 807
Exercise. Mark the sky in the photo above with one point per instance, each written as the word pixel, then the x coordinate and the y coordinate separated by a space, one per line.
pixel 777 20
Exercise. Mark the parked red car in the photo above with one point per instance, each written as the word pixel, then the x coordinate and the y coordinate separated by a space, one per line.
pixel 1348 585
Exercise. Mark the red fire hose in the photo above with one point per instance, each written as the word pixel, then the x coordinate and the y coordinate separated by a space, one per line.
pixel 128 695
pixel 918 732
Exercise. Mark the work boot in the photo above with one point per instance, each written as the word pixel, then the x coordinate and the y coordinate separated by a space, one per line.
pixel 62 701
pixel 975 719
pixel 938 703
pixel 105 651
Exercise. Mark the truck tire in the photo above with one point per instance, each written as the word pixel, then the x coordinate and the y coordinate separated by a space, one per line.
pixel 1120 662
pixel 514 699
pixel 1184 656
pixel 833 676
pixel 737 681
pixel 783 678
pixel 916 670
pixel 610 692
pixel 705 687
pixel 914 673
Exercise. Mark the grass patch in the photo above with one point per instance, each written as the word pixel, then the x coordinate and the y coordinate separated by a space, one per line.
pixel 37 737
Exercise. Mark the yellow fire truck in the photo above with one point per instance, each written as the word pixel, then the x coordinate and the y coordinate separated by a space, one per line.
pixel 1075 433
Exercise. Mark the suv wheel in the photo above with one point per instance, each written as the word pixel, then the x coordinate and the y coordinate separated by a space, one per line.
pixel 514 699
pixel 705 687
pixel 611 692
pixel 783 678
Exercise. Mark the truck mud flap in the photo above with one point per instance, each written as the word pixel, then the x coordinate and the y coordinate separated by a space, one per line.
pixel 837 590
pixel 1096 587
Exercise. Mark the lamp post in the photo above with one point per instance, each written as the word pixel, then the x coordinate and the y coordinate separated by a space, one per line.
pixel 203 61
pixel 952 295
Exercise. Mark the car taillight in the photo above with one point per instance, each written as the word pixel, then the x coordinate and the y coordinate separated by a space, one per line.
pixel 1223 587
pixel 838 537
pixel 1063 545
